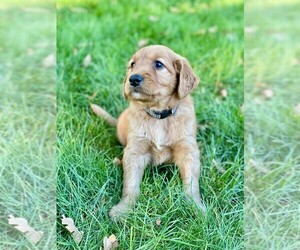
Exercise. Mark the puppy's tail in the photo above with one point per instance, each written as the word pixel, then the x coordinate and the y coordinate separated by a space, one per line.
pixel 102 113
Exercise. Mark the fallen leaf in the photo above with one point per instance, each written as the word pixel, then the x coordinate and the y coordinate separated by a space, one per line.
pixel 191 10
pixel 153 18
pixel 75 51
pixel 219 85
pixel 218 166
pixel 297 109
pixel 202 127
pixel 295 61
pixel 212 29
pixel 117 161
pixel 268 93
pixel 257 100
pixel 49 61
pixel 70 226
pixel 250 29
pixel 223 93
pixel 143 42
pixel 200 32
pixel 21 224
pixel 110 243
pixel 87 60
pixel 174 9
pixel 158 222
pixel 84 44
pixel 259 167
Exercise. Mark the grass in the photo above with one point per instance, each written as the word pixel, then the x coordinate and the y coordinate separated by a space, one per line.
pixel 89 184
pixel 27 125
pixel 272 126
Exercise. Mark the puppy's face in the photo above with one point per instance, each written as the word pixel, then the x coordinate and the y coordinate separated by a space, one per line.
pixel 156 73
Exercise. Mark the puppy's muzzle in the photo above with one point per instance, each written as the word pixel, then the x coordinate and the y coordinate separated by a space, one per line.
pixel 136 80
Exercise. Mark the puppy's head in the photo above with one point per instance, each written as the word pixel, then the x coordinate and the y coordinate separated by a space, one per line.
pixel 156 73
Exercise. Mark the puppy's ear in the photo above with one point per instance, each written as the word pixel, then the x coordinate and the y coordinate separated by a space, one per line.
pixel 187 79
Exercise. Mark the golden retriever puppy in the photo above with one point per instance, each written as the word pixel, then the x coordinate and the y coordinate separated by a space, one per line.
pixel 159 125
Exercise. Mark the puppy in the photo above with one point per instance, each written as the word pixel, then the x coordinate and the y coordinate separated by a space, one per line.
pixel 159 126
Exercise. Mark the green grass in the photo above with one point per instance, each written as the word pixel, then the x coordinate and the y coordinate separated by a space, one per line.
pixel 27 125
pixel 272 176
pixel 89 184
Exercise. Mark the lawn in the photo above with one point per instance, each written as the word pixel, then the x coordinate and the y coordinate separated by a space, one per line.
pixel 272 120
pixel 210 35
pixel 27 123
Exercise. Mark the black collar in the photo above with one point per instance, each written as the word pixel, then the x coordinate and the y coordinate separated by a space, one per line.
pixel 161 114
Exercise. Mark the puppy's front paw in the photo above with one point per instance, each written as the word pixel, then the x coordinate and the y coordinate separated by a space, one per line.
pixel 201 206
pixel 118 210
pixel 199 203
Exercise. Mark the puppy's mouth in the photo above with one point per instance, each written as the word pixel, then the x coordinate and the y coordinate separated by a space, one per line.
pixel 137 91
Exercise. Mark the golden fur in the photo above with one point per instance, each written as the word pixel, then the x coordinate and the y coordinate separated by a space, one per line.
pixel 148 140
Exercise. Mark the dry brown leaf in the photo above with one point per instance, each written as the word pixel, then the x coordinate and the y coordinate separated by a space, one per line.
pixel 21 224
pixel 174 9
pixel 143 42
pixel 212 29
pixel 268 93
pixel 153 18
pixel 158 222
pixel 49 61
pixel 87 60
pixel 223 93
pixel 218 166
pixel 110 243
pixel 117 161
pixel 70 226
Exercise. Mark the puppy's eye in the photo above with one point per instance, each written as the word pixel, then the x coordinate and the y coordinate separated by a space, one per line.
pixel 158 65
pixel 132 64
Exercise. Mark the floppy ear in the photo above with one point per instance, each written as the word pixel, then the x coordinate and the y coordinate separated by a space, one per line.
pixel 187 80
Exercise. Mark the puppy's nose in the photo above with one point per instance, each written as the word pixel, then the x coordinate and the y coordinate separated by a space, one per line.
pixel 136 80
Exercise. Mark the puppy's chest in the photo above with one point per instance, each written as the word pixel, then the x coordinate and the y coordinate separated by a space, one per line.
pixel 161 133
